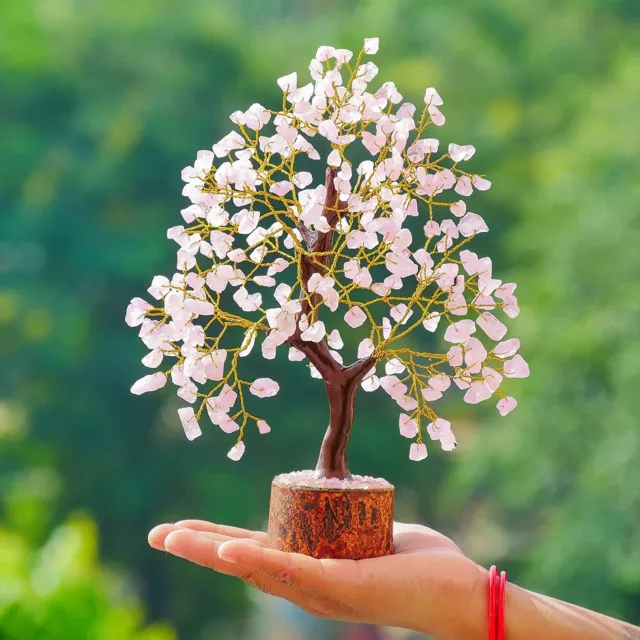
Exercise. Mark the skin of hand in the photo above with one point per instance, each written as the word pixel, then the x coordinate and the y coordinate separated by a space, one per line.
pixel 427 585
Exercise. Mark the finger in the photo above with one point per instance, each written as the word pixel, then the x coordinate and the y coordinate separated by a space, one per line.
pixel 324 588
pixel 225 530
pixel 293 569
pixel 274 588
pixel 402 527
pixel 200 548
pixel 158 535
pixel 203 550
pixel 399 527
pixel 409 538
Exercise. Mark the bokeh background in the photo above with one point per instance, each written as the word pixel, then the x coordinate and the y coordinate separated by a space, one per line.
pixel 102 102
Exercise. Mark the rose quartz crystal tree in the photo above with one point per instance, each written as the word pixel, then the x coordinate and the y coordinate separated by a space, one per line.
pixel 266 257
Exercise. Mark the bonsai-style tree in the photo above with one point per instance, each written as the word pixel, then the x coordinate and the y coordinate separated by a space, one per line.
pixel 268 260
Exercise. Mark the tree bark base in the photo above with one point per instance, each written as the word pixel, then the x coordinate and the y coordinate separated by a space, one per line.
pixel 353 521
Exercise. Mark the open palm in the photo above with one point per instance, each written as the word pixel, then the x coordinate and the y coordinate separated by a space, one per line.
pixel 428 584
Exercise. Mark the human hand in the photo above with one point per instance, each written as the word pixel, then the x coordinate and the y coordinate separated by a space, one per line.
pixel 427 585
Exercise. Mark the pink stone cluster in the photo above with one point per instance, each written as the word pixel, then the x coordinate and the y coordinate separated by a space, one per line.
pixel 308 478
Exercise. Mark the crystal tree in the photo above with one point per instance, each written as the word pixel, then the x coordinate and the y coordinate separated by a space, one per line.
pixel 265 258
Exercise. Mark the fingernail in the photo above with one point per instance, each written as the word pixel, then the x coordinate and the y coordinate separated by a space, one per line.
pixel 155 539
pixel 223 553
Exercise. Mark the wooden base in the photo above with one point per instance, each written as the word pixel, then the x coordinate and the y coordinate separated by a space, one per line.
pixel 322 522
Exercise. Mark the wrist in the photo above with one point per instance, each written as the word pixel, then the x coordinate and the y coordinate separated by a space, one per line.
pixel 461 610
pixel 474 609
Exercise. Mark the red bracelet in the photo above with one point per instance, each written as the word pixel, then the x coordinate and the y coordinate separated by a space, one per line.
pixel 496 598
pixel 501 604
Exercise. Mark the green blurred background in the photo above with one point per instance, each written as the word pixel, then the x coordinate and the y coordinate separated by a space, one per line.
pixel 102 102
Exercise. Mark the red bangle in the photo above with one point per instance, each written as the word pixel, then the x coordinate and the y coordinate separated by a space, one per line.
pixel 493 572
pixel 501 605
pixel 496 598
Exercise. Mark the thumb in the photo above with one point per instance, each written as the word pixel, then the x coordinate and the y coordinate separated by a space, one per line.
pixel 296 570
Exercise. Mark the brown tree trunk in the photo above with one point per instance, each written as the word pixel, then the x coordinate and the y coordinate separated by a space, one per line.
pixel 332 462
pixel 340 382
pixel 342 388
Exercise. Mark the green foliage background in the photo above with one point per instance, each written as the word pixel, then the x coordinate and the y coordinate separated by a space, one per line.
pixel 102 102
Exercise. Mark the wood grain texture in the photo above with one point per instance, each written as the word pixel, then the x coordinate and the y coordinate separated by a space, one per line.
pixel 331 523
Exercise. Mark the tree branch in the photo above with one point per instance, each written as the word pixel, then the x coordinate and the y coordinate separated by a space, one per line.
pixel 322 242
pixel 359 369
pixel 318 354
